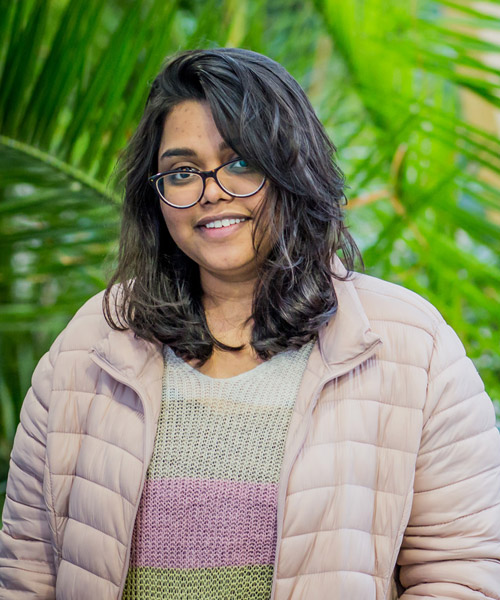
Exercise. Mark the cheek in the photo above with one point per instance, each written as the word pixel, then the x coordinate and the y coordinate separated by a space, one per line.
pixel 173 221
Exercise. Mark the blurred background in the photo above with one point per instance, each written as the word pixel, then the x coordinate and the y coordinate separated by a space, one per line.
pixel 407 89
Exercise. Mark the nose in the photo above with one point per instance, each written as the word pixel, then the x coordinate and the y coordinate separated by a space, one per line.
pixel 213 192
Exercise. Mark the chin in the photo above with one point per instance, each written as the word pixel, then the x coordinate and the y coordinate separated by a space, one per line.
pixel 238 271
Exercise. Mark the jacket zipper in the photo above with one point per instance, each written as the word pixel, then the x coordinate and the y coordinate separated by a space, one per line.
pixel 111 370
pixel 361 358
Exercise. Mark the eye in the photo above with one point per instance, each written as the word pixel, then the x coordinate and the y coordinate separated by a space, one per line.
pixel 183 173
pixel 240 166
pixel 181 176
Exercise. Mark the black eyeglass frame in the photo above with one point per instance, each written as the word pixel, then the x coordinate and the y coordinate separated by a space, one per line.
pixel 153 181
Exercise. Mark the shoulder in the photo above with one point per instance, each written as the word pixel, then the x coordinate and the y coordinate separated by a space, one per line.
pixel 419 346
pixel 87 327
pixel 69 352
pixel 409 326
pixel 385 302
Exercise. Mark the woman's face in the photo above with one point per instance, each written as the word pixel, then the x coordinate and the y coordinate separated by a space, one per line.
pixel 191 139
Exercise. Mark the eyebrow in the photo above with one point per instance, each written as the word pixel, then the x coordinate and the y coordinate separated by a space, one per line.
pixel 188 151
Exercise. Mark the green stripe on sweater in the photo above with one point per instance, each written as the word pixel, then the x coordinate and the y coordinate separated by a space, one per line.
pixel 222 583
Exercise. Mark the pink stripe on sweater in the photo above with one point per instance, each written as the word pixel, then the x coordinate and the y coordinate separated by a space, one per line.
pixel 200 523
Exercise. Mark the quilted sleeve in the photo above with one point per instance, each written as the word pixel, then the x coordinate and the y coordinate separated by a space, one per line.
pixel 26 555
pixel 451 547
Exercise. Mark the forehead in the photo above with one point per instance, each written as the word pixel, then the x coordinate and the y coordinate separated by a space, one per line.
pixel 190 120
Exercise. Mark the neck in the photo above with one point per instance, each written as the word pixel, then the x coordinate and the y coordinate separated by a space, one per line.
pixel 228 306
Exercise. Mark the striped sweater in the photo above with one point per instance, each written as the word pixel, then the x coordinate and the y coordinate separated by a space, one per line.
pixel 206 525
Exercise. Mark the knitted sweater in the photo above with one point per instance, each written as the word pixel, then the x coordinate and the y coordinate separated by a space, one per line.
pixel 206 525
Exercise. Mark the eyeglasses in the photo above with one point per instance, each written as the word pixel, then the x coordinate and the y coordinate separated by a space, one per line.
pixel 184 187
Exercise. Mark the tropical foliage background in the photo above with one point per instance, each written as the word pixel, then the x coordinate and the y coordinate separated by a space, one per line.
pixel 408 90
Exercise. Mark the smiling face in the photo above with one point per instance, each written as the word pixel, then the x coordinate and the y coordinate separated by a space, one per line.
pixel 217 232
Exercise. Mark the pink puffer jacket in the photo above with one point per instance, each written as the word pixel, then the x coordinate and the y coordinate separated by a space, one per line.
pixel 391 470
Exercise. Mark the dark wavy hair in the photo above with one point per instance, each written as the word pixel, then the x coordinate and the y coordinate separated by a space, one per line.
pixel 264 115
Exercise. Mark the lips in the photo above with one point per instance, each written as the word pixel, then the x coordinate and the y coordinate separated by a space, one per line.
pixel 220 221
pixel 223 223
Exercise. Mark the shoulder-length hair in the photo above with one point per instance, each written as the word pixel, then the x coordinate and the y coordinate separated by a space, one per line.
pixel 264 115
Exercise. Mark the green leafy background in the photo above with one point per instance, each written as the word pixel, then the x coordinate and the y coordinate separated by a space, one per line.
pixel 408 91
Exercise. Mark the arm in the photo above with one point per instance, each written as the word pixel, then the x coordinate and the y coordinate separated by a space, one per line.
pixel 27 567
pixel 451 547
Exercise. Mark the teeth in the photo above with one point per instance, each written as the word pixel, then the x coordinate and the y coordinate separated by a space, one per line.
pixel 223 223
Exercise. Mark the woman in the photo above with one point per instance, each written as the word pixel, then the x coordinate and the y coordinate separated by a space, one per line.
pixel 240 415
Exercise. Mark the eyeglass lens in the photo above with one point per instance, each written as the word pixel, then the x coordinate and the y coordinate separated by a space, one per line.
pixel 183 188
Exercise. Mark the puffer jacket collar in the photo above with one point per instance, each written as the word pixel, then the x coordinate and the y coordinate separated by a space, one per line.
pixel 130 355
pixel 347 337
